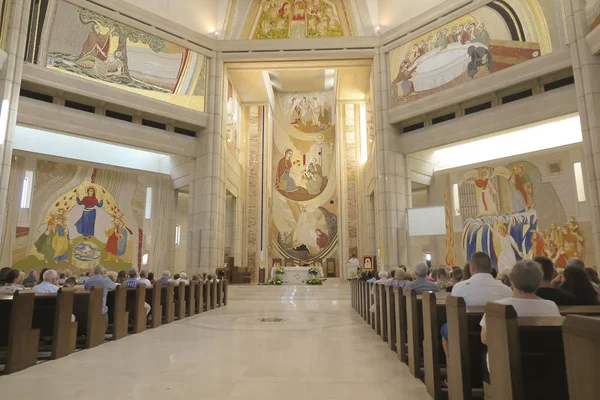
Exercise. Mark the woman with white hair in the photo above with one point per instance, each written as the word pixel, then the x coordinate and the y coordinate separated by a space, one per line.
pixel 400 280
pixel 526 277
pixel 383 278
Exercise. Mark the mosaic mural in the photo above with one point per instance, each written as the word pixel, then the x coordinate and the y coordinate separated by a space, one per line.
pixel 592 13
pixel 300 19
pixel 510 213
pixel 84 43
pixel 82 217
pixel 487 40
pixel 305 193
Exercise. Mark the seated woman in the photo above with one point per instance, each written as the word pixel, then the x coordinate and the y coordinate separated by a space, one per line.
pixel 525 278
pixel 383 278
pixel 575 282
pixel 456 275
pixel 400 279
pixel 442 280
pixel 11 284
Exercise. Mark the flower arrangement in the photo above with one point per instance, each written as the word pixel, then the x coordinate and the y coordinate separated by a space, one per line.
pixel 314 271
pixel 279 271
pixel 276 280
pixel 354 276
pixel 315 281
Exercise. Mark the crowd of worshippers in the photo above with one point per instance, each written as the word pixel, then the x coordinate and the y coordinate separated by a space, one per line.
pixel 50 281
pixel 535 288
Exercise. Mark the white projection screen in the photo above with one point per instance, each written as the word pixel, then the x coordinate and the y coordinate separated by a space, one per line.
pixel 427 221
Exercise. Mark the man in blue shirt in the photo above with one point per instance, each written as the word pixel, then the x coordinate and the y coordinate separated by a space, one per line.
pixel 421 284
pixel 100 280
pixel 133 282
pixel 165 278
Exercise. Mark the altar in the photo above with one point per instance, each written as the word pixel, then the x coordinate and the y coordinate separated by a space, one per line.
pixel 297 275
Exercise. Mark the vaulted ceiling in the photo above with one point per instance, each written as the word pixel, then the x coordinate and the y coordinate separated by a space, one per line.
pixel 229 17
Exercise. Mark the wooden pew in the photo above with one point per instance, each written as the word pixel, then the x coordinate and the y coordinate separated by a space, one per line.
pixel 390 317
pixel 16 335
pixel 220 293
pixel 415 335
pixel 465 350
pixel 167 302
pixel 581 337
pixel 383 322
pixel 225 291
pixel 52 317
pixel 136 297
pixel 401 325
pixel 522 365
pixel 213 296
pixel 372 319
pixel 118 317
pixel 190 298
pixel 208 288
pixel 434 316
pixel 200 297
pixel 179 298
pixel 363 299
pixel 154 298
pixel 87 307
pixel 377 315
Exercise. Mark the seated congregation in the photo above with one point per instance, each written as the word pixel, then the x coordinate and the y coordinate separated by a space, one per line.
pixel 529 332
pixel 50 314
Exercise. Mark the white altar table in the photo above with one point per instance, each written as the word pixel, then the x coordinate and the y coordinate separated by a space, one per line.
pixel 296 275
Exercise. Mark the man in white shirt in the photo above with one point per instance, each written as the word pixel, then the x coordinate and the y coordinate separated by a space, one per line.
pixel 49 284
pixel 354 260
pixel 144 278
pixel 479 290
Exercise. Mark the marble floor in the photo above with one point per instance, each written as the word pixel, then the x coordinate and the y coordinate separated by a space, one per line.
pixel 282 343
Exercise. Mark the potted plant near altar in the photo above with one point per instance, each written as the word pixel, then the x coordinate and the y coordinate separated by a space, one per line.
pixel 314 276
pixel 279 271
pixel 276 280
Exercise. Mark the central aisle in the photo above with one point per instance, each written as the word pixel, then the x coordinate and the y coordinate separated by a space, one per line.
pixel 280 343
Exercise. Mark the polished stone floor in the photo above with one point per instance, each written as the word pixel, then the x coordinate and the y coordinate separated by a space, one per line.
pixel 281 343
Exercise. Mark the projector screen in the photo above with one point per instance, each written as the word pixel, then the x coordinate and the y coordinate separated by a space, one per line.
pixel 427 221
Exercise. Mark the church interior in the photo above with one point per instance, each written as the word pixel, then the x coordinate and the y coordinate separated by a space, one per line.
pixel 281 173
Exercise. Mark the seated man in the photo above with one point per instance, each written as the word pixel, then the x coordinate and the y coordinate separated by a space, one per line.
pixel 421 284
pixel 49 283
pixel 165 278
pixel 133 282
pixel 100 280
pixel 144 278
pixel 480 289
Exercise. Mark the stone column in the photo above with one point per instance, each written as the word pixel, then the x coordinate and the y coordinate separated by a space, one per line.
pixel 206 231
pixel 392 184
pixel 586 70
pixel 10 87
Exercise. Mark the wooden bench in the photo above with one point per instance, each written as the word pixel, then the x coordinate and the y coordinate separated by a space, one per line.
pixel 52 317
pixel 371 316
pixel 17 337
pixel 200 297
pixel 179 298
pixel 225 291
pixel 208 288
pixel 390 317
pixel 190 298
pixel 167 302
pixel 526 355
pixel 118 317
pixel 401 325
pixel 213 296
pixel 87 308
pixel 154 298
pixel 465 350
pixel 382 312
pixel 136 297
pixel 377 315
pixel 220 293
pixel 581 338
pixel 434 316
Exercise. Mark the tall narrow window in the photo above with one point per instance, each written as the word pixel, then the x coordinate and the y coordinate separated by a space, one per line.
pixel 364 155
pixel 27 189
pixel 177 235
pixel 148 212
pixel 579 183
pixel 455 200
